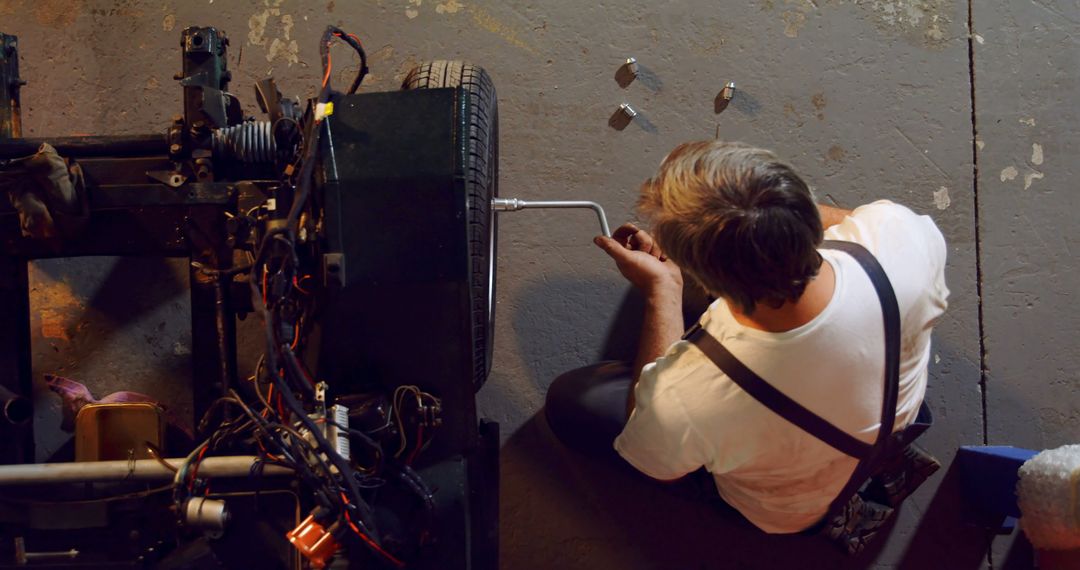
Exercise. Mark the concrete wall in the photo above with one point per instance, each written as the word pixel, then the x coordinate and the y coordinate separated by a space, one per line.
pixel 869 99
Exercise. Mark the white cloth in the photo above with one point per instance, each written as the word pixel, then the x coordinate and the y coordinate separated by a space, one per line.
pixel 688 414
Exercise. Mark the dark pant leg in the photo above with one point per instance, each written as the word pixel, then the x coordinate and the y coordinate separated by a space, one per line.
pixel 586 407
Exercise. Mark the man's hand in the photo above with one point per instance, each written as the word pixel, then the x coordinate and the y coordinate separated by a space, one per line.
pixel 640 260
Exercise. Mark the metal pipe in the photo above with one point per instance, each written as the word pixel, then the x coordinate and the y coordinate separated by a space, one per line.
pixel 87 147
pixel 122 470
pixel 514 205
pixel 22 557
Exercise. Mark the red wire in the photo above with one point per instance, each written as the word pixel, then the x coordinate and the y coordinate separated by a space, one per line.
pixel 195 470
pixel 264 285
pixel 419 444
pixel 374 545
pixel 303 370
pixel 281 408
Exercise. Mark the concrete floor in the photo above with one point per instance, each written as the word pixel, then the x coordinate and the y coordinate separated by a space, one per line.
pixel 869 98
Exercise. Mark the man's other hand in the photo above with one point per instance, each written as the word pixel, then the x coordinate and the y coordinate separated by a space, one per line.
pixel 640 260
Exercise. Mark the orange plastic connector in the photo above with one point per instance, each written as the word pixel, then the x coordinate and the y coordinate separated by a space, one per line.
pixel 314 542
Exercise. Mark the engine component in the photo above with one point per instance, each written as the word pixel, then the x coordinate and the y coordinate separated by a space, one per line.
pixel 118 431
pixel 299 194
pixel 206 514
pixel 337 430
pixel 314 541
pixel 250 142
pixel 205 79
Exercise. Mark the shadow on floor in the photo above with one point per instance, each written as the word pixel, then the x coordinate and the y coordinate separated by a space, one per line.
pixel 564 510
pixel 947 536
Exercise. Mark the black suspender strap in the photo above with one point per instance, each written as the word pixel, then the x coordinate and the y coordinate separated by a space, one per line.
pixel 776 400
pixel 806 420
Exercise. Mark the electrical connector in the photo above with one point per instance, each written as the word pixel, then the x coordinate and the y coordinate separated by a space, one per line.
pixel 314 542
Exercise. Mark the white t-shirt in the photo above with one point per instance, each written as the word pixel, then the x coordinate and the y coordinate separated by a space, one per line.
pixel 688 413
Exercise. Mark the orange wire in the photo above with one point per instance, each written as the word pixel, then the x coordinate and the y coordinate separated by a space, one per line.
pixel 269 398
pixel 329 60
pixel 296 336
pixel 329 66
pixel 264 285
pixel 296 284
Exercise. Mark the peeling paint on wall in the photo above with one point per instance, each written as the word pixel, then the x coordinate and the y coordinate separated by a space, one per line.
pixel 1029 121
pixel 793 20
pixel 1009 173
pixel 451 7
pixel 928 21
pixel 168 22
pixel 257 28
pixel 1036 154
pixel 1031 177
pixel 283 47
pixel 819 103
pixel 412 10
pixel 941 198
pixel 60 308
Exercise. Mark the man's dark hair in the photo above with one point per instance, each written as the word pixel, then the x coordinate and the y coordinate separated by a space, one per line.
pixel 738 220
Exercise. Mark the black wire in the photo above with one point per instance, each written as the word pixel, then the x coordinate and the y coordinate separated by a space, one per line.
pixel 300 466
pixel 366 515
pixel 359 48
pixel 279 243
pixel 324 52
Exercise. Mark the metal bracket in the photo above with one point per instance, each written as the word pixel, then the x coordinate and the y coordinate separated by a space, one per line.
pixel 514 205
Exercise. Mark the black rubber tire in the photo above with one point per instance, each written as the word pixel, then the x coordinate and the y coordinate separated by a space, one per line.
pixel 481 184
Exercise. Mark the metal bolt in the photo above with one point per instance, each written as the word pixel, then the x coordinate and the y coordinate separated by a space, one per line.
pixel 627 110
pixel 632 66
pixel 175 148
pixel 728 91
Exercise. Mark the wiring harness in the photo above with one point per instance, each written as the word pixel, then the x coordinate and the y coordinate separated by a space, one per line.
pixel 282 411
